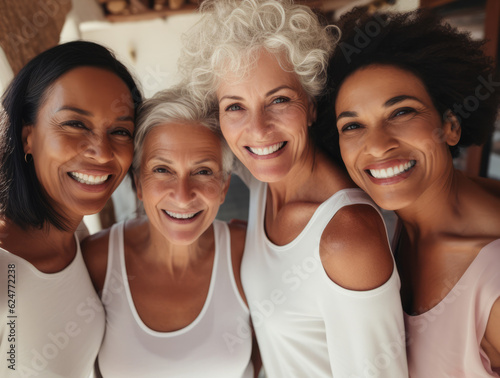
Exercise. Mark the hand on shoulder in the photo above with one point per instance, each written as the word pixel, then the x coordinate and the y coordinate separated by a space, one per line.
pixel 354 249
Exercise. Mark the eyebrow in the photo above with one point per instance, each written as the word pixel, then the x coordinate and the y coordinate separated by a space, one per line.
pixel 397 99
pixel 89 114
pixel 76 110
pixel 171 162
pixel 206 160
pixel 392 101
pixel 269 93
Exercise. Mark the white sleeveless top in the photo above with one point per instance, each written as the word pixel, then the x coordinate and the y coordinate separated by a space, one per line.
pixel 306 325
pixel 51 324
pixel 218 343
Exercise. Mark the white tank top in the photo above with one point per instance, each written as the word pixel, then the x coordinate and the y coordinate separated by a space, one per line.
pixel 218 343
pixel 306 325
pixel 51 324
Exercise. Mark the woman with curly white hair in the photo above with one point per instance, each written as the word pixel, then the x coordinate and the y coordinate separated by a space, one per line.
pixel 317 271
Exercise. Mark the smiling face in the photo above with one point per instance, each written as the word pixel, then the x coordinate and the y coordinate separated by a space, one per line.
pixel 392 139
pixel 181 181
pixel 264 118
pixel 82 141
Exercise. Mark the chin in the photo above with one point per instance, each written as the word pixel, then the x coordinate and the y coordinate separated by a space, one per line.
pixel 269 175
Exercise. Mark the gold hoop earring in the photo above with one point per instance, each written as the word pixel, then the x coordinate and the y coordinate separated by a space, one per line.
pixel 26 158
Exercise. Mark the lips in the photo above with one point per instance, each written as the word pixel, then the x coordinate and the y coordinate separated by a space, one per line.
pixel 268 150
pixel 393 171
pixel 89 179
pixel 183 217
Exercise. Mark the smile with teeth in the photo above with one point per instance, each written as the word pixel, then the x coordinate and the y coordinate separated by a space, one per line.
pixel 266 150
pixel 392 171
pixel 181 216
pixel 89 179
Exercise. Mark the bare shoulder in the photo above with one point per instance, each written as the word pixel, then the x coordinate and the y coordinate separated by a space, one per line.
pixel 354 249
pixel 95 255
pixel 238 233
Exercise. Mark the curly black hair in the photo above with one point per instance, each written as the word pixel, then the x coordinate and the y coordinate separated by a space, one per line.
pixel 457 74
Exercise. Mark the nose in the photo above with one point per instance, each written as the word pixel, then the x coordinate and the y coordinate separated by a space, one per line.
pixel 380 141
pixel 98 148
pixel 260 123
pixel 183 191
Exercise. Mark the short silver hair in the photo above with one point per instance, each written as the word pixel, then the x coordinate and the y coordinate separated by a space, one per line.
pixel 175 105
pixel 231 32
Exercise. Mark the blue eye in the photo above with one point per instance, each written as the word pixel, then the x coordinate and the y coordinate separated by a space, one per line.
pixel 233 107
pixel 280 100
pixel 160 170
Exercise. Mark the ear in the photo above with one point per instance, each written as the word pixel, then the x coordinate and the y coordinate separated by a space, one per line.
pixel 225 188
pixel 451 129
pixel 311 112
pixel 27 138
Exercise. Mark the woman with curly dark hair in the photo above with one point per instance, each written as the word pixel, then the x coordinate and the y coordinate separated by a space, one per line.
pixel 407 91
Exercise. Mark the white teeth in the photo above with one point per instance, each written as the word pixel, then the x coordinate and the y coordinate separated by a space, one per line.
pixel 180 216
pixel 88 179
pixel 266 150
pixel 392 171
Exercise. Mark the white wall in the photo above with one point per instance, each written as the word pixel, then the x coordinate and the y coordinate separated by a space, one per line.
pixel 150 48
pixel 6 73
pixel 400 6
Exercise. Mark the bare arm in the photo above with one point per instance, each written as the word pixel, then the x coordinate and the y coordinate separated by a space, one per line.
pixel 238 234
pixel 354 249
pixel 95 255
pixel 361 304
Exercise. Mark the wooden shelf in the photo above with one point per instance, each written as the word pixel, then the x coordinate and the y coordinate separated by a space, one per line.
pixel 188 7
pixel 434 3
pixel 151 14
pixel 146 13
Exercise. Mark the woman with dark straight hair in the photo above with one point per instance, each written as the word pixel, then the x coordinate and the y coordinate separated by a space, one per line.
pixel 66 142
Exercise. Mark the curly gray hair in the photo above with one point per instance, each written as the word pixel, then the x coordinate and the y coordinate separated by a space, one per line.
pixel 175 105
pixel 231 32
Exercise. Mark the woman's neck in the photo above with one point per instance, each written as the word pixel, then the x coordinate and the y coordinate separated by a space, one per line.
pixel 437 210
pixel 49 249
pixel 178 259
pixel 314 179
